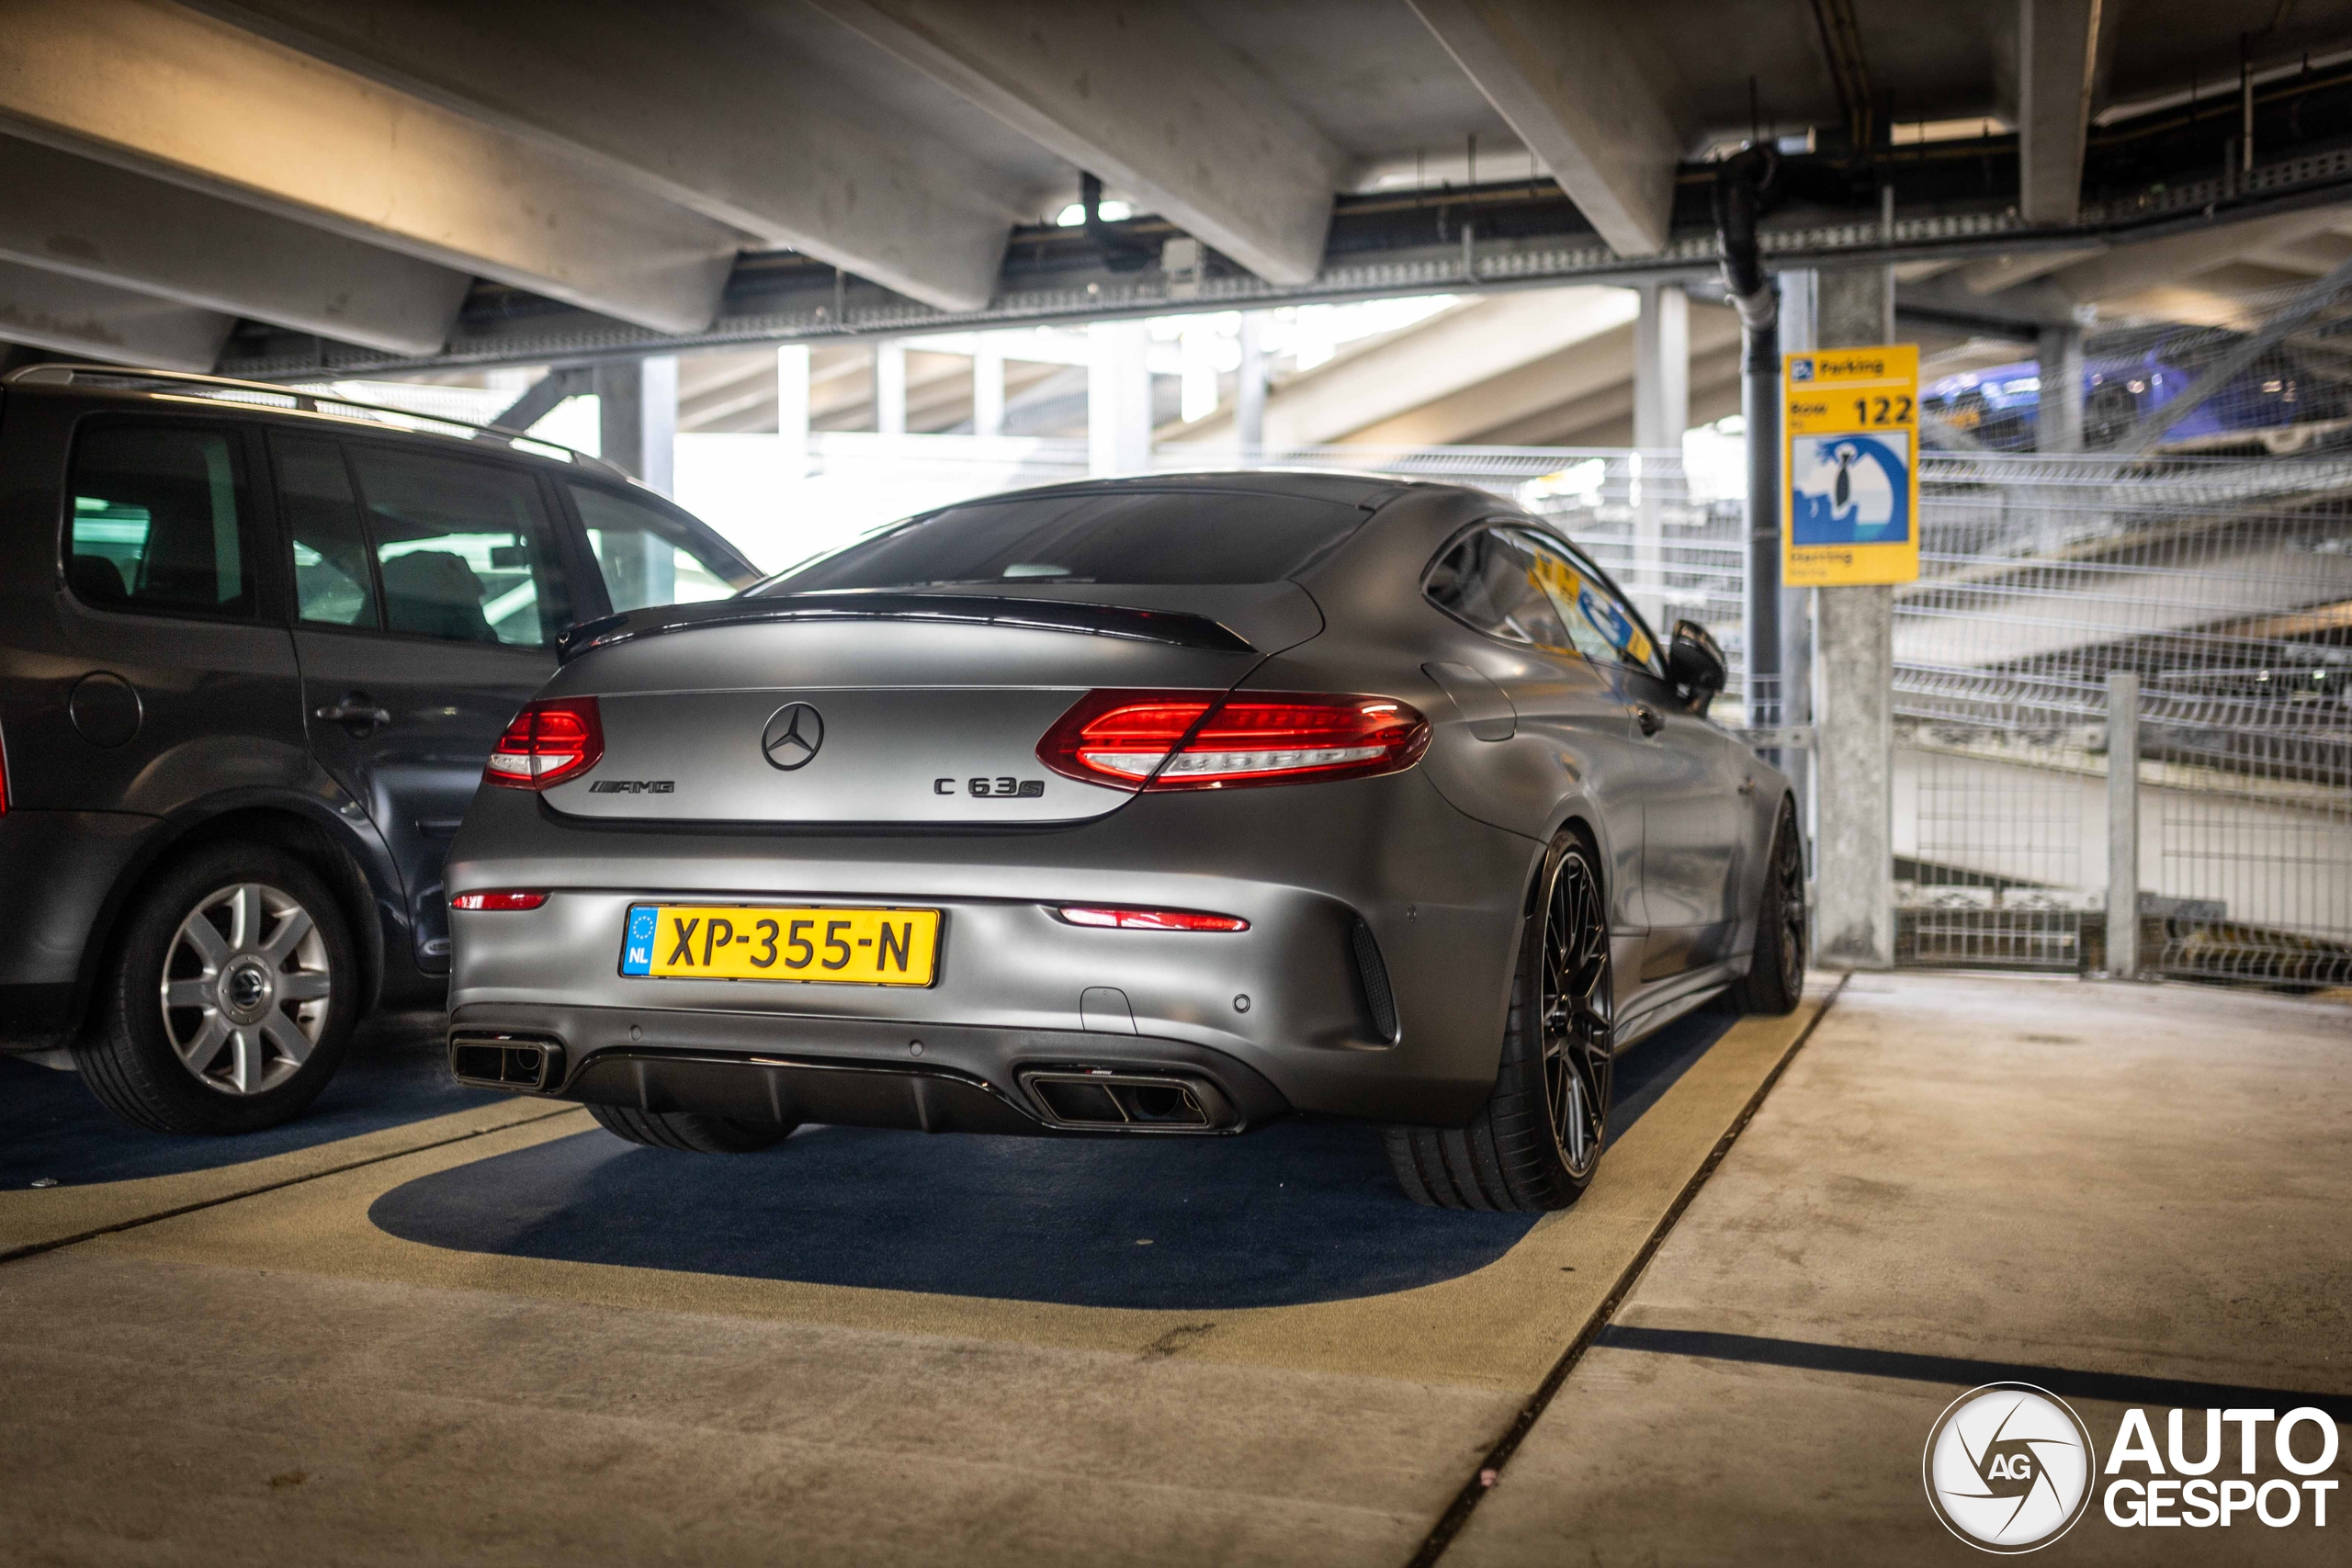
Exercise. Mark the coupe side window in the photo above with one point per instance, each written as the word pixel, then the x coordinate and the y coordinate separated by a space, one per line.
pixel 158 522
pixel 463 549
pixel 1599 622
pixel 1491 581
pixel 648 556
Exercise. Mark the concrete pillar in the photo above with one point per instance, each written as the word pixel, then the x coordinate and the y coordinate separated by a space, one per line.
pixel 2123 825
pixel 987 390
pixel 1662 367
pixel 1249 393
pixel 2059 422
pixel 1661 413
pixel 1118 399
pixel 890 387
pixel 1854 684
pixel 792 407
pixel 637 417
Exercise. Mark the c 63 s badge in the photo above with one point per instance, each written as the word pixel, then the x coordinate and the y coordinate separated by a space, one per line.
pixel 634 786
pixel 990 789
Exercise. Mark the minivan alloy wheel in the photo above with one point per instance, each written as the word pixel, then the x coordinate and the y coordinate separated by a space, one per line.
pixel 246 989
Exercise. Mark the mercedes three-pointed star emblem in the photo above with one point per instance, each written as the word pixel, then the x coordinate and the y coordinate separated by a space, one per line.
pixel 795 732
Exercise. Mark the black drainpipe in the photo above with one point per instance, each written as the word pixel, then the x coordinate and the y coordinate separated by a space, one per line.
pixel 1119 252
pixel 1741 186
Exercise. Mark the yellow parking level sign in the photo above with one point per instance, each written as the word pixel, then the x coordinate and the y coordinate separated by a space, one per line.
pixel 1849 489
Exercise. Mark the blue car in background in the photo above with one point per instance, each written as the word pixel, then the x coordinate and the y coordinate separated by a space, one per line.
pixel 2278 400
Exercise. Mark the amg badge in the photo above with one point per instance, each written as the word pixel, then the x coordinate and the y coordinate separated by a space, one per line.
pixel 634 786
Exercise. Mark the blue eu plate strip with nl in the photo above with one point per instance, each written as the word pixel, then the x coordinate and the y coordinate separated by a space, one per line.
pixel 636 952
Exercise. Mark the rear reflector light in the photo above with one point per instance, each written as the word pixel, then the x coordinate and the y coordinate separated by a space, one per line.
pixel 548 743
pixel 1171 740
pixel 1149 919
pixel 509 900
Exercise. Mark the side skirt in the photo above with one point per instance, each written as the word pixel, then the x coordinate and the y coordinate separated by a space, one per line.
pixel 1662 1003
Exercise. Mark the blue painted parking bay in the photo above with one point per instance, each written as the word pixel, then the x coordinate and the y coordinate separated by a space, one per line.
pixel 1299 1212
pixel 493 1279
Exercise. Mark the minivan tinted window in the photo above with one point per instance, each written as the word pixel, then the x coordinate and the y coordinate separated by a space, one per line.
pixel 463 550
pixel 158 521
pixel 1142 537
pixel 333 583
pixel 648 556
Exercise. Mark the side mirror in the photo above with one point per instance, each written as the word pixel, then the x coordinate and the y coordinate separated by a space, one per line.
pixel 1694 665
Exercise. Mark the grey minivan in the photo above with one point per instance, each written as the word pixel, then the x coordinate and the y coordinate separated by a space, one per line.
pixel 254 647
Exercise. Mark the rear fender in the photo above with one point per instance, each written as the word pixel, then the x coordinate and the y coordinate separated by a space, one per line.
pixel 349 854
pixel 1620 884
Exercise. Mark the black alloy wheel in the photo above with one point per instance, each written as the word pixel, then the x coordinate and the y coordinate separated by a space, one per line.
pixel 1775 979
pixel 1537 1141
pixel 1578 1015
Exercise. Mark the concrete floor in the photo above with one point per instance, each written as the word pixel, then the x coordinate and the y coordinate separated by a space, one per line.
pixel 1977 1174
pixel 2041 1180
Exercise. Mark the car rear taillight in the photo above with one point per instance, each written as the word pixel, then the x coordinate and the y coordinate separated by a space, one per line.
pixel 509 900
pixel 1149 919
pixel 4 775
pixel 548 743
pixel 1171 740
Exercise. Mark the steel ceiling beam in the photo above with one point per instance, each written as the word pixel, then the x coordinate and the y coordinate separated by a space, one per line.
pixel 1378 247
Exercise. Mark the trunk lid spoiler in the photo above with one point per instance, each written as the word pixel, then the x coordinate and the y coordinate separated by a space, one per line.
pixel 1175 628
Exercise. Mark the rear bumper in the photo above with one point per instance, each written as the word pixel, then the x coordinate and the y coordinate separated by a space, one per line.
pixel 61 869
pixel 1283 1015
pixel 845 1072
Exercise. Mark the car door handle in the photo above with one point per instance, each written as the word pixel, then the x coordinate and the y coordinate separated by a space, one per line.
pixel 355 709
pixel 1647 718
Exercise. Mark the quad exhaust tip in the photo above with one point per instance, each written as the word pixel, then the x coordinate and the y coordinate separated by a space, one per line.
pixel 521 1063
pixel 1102 1099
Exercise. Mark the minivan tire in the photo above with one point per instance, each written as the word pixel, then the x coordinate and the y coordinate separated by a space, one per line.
pixel 260 958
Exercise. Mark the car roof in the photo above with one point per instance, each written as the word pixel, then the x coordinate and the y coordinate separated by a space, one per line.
pixel 134 385
pixel 1307 484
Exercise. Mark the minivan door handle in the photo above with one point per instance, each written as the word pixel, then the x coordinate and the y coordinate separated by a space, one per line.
pixel 1646 716
pixel 357 709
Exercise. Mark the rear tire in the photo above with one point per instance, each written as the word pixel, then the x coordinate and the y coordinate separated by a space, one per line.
pixel 1537 1141
pixel 1775 977
pixel 229 1000
pixel 689 1132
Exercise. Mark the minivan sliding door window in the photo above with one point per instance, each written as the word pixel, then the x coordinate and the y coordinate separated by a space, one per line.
pixel 335 582
pixel 463 549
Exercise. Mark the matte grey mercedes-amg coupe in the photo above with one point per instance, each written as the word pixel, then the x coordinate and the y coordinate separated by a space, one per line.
pixel 1147 807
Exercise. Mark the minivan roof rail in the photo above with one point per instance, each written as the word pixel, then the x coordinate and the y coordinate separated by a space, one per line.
pixel 294 399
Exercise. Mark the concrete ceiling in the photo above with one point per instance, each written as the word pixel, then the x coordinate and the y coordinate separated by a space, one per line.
pixel 270 183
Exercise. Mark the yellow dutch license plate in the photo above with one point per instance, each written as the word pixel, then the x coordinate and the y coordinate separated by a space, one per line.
pixel 753 941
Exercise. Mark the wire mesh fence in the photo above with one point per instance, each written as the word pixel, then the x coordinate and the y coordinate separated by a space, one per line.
pixel 2226 586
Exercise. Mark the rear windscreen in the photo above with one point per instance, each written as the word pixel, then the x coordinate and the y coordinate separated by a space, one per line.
pixel 1163 539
